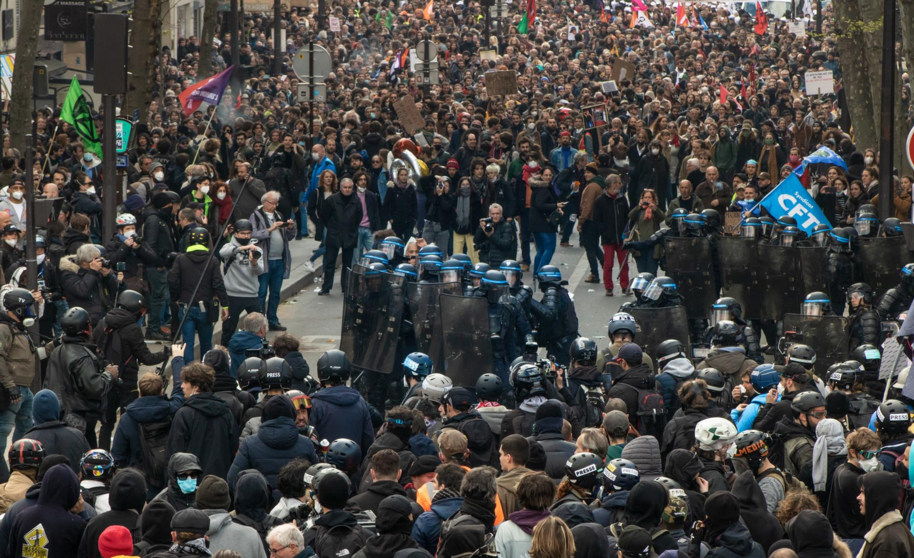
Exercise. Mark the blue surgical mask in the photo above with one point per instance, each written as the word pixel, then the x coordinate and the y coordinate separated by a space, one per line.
pixel 188 485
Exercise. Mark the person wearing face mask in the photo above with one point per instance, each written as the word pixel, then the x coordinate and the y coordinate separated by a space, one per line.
pixel 201 189
pixel 183 471
pixel 123 247
pixel 157 172
pixel 87 202
pixel 15 204
pixel 244 264
pixel 10 254
pixel 843 513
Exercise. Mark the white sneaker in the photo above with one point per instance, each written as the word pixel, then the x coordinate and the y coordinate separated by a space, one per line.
pixel 310 266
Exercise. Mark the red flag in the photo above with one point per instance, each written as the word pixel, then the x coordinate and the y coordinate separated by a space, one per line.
pixel 681 18
pixel 761 20
pixel 752 89
pixel 742 92
pixel 207 91
pixel 723 94
pixel 638 6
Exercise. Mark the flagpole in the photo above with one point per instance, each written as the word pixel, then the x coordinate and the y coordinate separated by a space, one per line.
pixel 210 121
pixel 47 155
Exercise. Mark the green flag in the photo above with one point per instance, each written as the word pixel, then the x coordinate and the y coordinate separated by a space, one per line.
pixel 76 112
pixel 522 26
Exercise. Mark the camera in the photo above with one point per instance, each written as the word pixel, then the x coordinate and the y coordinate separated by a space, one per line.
pixel 138 240
pixel 106 263
pixel 265 351
pixel 256 254
pixel 488 224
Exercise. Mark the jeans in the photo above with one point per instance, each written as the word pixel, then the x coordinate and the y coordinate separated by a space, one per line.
pixel 434 234
pixel 647 262
pixel 18 415
pixel 462 241
pixel 364 243
pixel 545 248
pixel 610 250
pixel 330 267
pixel 237 305
pixel 590 237
pixel 272 278
pixel 404 230
pixel 158 284
pixel 197 322
pixel 420 211
pixel 317 253
pixel 303 218
pixel 525 235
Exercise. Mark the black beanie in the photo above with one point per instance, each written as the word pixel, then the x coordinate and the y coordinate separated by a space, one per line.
pixel 550 409
pixel 722 508
pixel 49 461
pixel 128 490
pixel 333 492
pixel 156 522
pixel 278 406
pixel 837 405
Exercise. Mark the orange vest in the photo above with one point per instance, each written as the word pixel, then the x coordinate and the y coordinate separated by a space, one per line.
pixel 426 492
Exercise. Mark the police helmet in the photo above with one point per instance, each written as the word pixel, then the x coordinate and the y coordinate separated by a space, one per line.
pixel 583 350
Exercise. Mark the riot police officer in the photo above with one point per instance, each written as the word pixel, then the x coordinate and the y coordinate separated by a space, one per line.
pixel 890 227
pixel 393 248
pixel 638 286
pixel 728 308
pixel 751 228
pixel 523 327
pixel 662 293
pixel 475 275
pixel 374 256
pixel 501 321
pixel 864 325
pixel 768 224
pixel 429 267
pixel 866 224
pixel 555 314
pixel 897 299
pixel 451 272
pixel 816 303
pixel 847 377
pixel 841 268
pixel 819 235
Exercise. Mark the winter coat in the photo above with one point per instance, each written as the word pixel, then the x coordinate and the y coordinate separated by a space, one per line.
pixel 707 192
pixel 401 205
pixel 14 489
pixel 377 491
pixel 341 217
pixel 888 536
pixel 507 489
pixel 481 442
pixel 542 204
pixel 127 496
pixel 494 416
pixel 117 251
pixel 611 215
pixel 205 427
pixel 158 234
pixel 184 276
pixel 735 542
pixel 387 440
pixel 88 289
pixel 612 508
pixel 252 498
pixel 644 452
pixel 49 529
pixel 501 246
pixel 276 443
pixel 557 449
pixel 427 528
pixel 30 500
pixel 753 509
pixel 644 508
pixel 224 534
pixel 76 373
pixel 172 492
pixel 679 432
pixel 650 172
pixel 843 509
pixel 242 341
pixel 336 519
pixel 247 204
pixel 56 437
pixel 626 384
pixel 17 362
pixel 125 340
pixel 674 374
pixel 512 541
pixel 261 224
pixel 329 404
pixel 798 443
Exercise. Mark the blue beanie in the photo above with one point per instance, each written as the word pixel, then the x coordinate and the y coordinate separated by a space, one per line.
pixel 45 407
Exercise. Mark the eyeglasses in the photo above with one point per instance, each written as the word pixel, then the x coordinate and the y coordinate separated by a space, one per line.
pixel 274 551
pixel 819 414
pixel 186 476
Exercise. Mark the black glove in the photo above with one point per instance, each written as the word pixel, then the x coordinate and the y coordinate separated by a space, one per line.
pixel 15 393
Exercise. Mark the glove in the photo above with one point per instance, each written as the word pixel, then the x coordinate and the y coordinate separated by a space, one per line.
pixel 15 393
pixel 167 350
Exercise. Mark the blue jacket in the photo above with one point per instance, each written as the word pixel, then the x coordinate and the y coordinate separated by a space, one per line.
pixel 420 445
pixel 240 342
pixel 331 405
pixel 324 164
pixel 746 419
pixel 275 444
pixel 427 528
pixel 612 504
pixel 126 449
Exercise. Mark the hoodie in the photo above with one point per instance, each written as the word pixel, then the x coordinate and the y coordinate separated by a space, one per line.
pixel 240 342
pixel 205 427
pixel 674 374
pixel 226 535
pixel 156 527
pixel 811 535
pixel 126 498
pixel 888 535
pixel 179 463
pixel 590 540
pixel 55 436
pixel 753 509
pixel 49 529
pixel 843 510
pixel 644 452
pixel 252 496
pixel 612 508
pixel 514 537
pixel 242 278
pixel 736 541
pixel 682 466
pixel 329 404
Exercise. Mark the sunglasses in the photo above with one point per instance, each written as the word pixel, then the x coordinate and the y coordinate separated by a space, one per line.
pixel 868 454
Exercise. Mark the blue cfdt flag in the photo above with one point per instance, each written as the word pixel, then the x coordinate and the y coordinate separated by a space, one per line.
pixel 791 198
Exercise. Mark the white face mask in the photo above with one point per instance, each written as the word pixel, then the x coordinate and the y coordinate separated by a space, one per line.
pixel 40 259
pixel 531 126
pixel 362 189
pixel 221 196
pixel 159 176
pixel 315 156
pixel 204 190
pixel 868 160
pixel 869 465
pixel 17 195
pixel 12 242
pixel 130 234
pixel 90 190
pixel 655 151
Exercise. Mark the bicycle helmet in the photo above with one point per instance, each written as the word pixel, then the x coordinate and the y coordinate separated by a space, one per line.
pixel 764 377
pixel 435 386
pixel 714 379
pixel 669 350
pixel 133 302
pixel 417 365
pixel 276 374
pixel 489 387
pixel 583 350
pixel 345 455
pixel 714 434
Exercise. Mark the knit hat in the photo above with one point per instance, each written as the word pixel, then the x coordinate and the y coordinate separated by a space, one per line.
pixel 116 540
pixel 156 522
pixel 128 490
pixel 565 134
pixel 550 409
pixel 134 202
pixel 332 492
pixel 190 520
pixel 45 407
pixel 722 508
pixel 160 200
pixel 213 494
pixel 423 465
pixel 453 164
pixel 49 461
pixel 276 407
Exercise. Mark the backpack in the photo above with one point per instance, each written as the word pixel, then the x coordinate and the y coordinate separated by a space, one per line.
pixel 651 412
pixel 593 402
pixel 339 541
pixel 153 437
pixel 448 528
pixel 789 482
pixel 898 460
pixel 90 495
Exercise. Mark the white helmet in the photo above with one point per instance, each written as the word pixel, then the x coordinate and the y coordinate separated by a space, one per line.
pixel 434 386
pixel 714 434
pixel 125 219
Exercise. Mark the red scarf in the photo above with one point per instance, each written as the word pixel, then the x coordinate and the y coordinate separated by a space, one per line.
pixel 225 208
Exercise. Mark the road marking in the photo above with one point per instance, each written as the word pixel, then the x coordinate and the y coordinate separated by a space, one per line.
pixel 579 271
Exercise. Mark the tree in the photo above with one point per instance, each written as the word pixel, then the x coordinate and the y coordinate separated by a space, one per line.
pixel 205 65
pixel 146 39
pixel 854 37
pixel 26 51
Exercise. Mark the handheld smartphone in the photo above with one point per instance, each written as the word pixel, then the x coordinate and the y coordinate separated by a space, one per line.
pixel 121 266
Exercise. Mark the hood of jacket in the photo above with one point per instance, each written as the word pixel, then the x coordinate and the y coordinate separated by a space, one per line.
pixel 590 540
pixel 218 519
pixel 737 539
pixel 644 452
pixel 682 466
pixel 386 488
pixel 59 488
pixel 811 534
pixel 181 462
pixel 748 492
pixel 279 433
pixel 616 500
pixel 645 504
pixel 72 236
pixel 639 376
pixel 242 340
pixel 341 396
pixel 128 491
pixel 680 368
pixel 788 430
pixel 199 255
pixel 526 520
pixel 119 318
pixel 252 495
pixel 880 490
pixel 587 375
pixel 156 522
pixel 725 361
pixel 149 409
pixel 446 507
pixel 68 263
pixel 208 404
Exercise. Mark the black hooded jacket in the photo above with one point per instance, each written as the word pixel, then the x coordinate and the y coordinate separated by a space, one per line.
pixel 393 535
pixel 172 493
pixel 50 523
pixel 481 442
pixel 811 535
pixel 121 340
pixel 843 510
pixel 644 507
pixel 205 427
pixel 881 491
pixel 252 496
pixel 764 527
pixel 127 498
pixel 682 466
pixel 627 384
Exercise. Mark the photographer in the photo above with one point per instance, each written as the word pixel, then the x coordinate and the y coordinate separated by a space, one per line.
pixel 129 254
pixel 159 234
pixel 440 210
pixel 273 234
pixel 89 282
pixel 495 239
pixel 244 264
pixel 76 372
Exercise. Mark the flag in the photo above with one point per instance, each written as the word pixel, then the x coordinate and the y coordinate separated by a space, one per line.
pixel 640 18
pixel 743 94
pixel 401 59
pixel 701 20
pixel 76 112
pixel 791 198
pixel 638 6
pixel 207 91
pixel 528 19
pixel 761 20
pixel 681 18
pixel 605 16
pixel 752 89
pixel 427 13
pixel 723 94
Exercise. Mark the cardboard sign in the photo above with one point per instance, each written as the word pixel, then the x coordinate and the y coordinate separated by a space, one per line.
pixel 501 83
pixel 819 83
pixel 732 219
pixel 622 70
pixel 299 3
pixel 488 55
pixel 409 115
pixel 798 28
pixel 334 24
pixel 609 87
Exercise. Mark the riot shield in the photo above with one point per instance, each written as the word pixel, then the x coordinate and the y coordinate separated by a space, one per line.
pixel 688 262
pixel 656 325
pixel 827 335
pixel 813 262
pixel 372 312
pixel 467 344
pixel 739 273
pixel 779 281
pixel 881 260
pixel 423 302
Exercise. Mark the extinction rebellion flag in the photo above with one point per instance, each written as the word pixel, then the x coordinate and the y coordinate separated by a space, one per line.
pixel 207 91
pixel 76 112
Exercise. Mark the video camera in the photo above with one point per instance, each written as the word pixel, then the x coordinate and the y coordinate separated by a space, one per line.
pixel 265 351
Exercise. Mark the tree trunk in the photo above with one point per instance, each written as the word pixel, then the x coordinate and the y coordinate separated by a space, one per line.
pixel 21 95
pixel 859 92
pixel 205 66
pixel 146 38
pixel 906 24
pixel 871 12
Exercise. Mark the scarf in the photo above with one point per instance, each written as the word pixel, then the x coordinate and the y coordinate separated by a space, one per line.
pixel 444 493
pixel 530 405
pixel 829 441
pixel 528 519
pixel 487 404
pixel 463 208
pixel 483 511
pixel 225 208
pixel 772 152
pixel 196 547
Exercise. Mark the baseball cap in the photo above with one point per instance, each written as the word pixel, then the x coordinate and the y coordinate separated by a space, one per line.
pixel 190 520
pixel 630 352
pixel 451 443
pixel 459 397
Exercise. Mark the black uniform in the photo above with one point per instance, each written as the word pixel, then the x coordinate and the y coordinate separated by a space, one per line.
pixel 863 327
pixel 558 322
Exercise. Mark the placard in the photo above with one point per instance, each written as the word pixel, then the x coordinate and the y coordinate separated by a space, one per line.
pixel 732 219
pixel 622 70
pixel 798 28
pixel 819 83
pixel 488 55
pixel 609 87
pixel 409 115
pixel 334 24
pixel 503 82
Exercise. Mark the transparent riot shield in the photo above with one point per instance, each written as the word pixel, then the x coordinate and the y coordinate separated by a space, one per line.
pixel 372 312
pixel 656 325
pixel 779 280
pixel 827 335
pixel 467 343
pixel 423 302
pixel 740 273
pixel 882 259
pixel 813 262
pixel 688 262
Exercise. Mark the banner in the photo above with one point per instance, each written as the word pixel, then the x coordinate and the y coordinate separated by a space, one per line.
pixel 207 91
pixel 76 111
pixel 791 198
